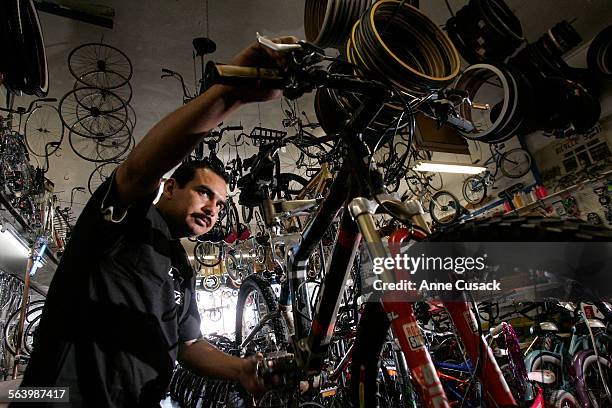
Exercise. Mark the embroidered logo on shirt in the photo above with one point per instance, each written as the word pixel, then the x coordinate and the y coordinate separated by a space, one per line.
pixel 178 297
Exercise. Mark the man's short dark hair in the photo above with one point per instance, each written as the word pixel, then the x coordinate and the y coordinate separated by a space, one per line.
pixel 186 171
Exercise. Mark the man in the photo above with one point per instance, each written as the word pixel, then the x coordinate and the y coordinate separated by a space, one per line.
pixel 121 307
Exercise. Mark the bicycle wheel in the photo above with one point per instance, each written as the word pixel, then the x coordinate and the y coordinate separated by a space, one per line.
pixel 101 149
pixel 256 299
pixel 562 399
pixel 594 380
pixel 106 80
pixel 93 112
pixel 42 126
pixel 32 318
pixel 100 174
pixel 103 58
pixel 247 213
pixel 288 185
pixel 207 253
pixel 515 163
pixel 372 332
pixel 234 269
pixel 444 208
pixel 474 190
pixel 435 181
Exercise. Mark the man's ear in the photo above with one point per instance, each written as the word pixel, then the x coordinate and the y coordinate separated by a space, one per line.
pixel 169 187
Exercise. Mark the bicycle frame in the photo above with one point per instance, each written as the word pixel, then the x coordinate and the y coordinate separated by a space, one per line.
pixel 406 329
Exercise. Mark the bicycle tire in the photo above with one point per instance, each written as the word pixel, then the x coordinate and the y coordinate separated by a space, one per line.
pixel 288 185
pixel 590 365
pixel 247 213
pixel 562 399
pixel 231 218
pixel 102 172
pixel 9 334
pixel 515 163
pixel 233 269
pixel 474 190
pixel 251 284
pixel 373 326
pixel 27 70
pixel 97 57
pixel 435 181
pixel 93 112
pixel 205 252
pixel 103 149
pixel 36 129
pixel 451 208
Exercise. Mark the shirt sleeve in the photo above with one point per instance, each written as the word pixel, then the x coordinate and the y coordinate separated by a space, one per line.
pixel 110 207
pixel 189 326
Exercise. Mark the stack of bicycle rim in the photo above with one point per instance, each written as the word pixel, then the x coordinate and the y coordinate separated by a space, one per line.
pixel 544 57
pixel 485 30
pixel 24 62
pixel 328 23
pixel 425 64
pixel 599 55
pixel 97 111
pixel 566 96
pixel 505 100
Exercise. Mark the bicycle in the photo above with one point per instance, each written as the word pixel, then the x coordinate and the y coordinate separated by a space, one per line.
pixel 359 189
pixel 443 206
pixel 514 163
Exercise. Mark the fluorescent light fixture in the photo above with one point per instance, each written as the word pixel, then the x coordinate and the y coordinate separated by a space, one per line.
pixel 440 167
pixel 15 242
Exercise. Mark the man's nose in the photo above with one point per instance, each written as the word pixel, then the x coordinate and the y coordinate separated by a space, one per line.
pixel 210 207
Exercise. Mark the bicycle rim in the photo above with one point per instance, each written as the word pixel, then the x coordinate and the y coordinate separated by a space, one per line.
pixel 515 163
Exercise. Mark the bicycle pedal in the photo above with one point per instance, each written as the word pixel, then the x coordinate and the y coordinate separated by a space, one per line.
pixel 278 370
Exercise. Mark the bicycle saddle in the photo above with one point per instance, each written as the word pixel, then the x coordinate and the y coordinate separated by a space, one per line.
pixel 203 46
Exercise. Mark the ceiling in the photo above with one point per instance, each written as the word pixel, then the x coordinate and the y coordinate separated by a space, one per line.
pixel 157 34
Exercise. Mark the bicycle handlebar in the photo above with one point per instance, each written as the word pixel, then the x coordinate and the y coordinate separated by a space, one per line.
pixel 294 82
pixel 21 111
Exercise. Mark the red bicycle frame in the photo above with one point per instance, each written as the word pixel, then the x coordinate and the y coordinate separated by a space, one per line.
pixel 407 332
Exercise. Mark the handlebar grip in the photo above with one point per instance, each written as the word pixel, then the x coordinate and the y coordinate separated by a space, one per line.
pixel 234 75
pixel 167 71
pixel 233 128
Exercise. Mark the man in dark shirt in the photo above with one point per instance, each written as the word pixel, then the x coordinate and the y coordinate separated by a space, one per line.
pixel 121 307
